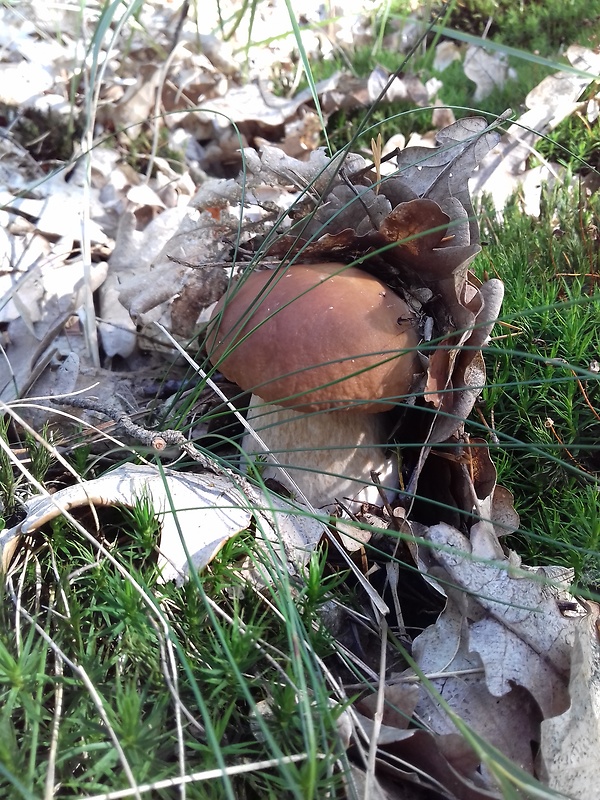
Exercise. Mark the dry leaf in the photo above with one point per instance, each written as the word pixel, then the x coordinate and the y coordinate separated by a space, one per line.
pixel 509 722
pixel 519 618
pixel 487 70
pixel 427 753
pixel 571 741
pixel 117 331
pixel 208 510
pixel 445 53
pixel 502 641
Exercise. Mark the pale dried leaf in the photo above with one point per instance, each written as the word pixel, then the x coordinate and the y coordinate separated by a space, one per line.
pixel 358 777
pixel 520 634
pixel 42 304
pixel 208 511
pixel 571 741
pixel 17 167
pixel 508 722
pixel 505 517
pixel 487 70
pixel 405 87
pixel 144 195
pixel 117 330
pixel 445 53
pixel 254 102
pixel 388 734
pixel 197 513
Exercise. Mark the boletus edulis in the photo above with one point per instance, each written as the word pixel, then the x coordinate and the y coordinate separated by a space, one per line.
pixel 325 349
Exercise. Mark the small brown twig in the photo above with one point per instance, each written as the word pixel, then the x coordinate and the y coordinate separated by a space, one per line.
pixel 484 422
pixel 157 440
pixel 585 397
pixel 549 423
pixel 384 499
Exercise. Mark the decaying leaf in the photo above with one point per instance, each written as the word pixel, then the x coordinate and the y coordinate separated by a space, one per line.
pixel 509 722
pixel 504 171
pixel 571 740
pixel 197 514
pixel 503 643
pixel 488 71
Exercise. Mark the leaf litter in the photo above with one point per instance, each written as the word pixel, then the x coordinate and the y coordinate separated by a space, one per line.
pixel 513 653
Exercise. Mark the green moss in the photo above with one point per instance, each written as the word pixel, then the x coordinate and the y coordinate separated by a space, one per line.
pixel 542 399
pixel 48 136
pixel 542 26
pixel 140 149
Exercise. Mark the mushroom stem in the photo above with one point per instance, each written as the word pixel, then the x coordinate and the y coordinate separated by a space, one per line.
pixel 330 455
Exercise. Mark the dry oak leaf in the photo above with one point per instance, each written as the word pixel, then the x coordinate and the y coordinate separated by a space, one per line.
pixel 198 513
pixel 510 722
pixel 571 741
pixel 518 629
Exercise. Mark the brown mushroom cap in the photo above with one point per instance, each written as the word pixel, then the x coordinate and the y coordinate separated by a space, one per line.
pixel 316 324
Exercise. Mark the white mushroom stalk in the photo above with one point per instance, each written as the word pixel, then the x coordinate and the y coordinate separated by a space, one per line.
pixel 325 349
pixel 329 456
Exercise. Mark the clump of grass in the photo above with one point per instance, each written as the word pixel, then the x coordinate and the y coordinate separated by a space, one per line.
pixel 574 143
pixel 539 26
pixel 543 397
pixel 49 137
pixel 217 676
pixel 36 452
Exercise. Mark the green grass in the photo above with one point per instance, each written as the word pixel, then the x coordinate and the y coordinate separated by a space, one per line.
pixel 216 673
pixel 552 298
pixel 216 665
pixel 536 25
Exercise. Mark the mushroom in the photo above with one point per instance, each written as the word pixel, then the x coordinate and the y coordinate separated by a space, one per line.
pixel 324 349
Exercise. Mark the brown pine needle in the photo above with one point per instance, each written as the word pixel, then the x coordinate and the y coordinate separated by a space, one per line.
pixel 549 423
pixel 376 149
pixel 585 397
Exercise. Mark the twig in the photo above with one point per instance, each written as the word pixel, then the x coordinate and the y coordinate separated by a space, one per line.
pixel 158 440
pixel 206 775
pixel 485 423
pixel 549 423
pixel 585 397
pixel 371 780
